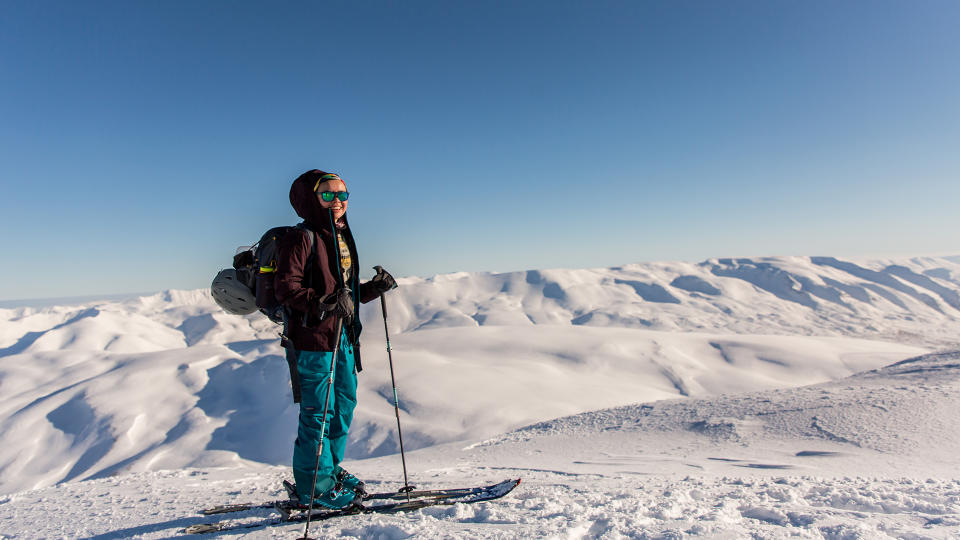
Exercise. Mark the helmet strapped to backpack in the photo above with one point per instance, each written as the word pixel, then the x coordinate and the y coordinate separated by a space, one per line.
pixel 231 293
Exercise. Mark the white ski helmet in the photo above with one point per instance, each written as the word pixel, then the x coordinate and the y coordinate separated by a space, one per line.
pixel 231 294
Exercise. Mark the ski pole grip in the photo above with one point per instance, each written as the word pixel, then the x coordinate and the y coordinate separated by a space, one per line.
pixel 383 303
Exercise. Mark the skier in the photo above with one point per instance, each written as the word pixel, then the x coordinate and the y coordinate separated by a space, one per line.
pixel 317 282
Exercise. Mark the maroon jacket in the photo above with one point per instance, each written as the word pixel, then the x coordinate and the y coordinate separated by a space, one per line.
pixel 301 283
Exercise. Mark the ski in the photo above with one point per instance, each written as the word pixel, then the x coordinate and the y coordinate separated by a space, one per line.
pixel 466 495
pixel 240 507
pixel 421 493
pixel 387 495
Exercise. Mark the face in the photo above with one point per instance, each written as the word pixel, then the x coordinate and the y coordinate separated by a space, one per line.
pixel 339 207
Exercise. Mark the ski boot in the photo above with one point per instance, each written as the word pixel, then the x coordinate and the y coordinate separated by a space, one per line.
pixel 350 481
pixel 338 498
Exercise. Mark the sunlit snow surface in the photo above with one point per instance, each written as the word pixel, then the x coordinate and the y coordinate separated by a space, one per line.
pixel 163 405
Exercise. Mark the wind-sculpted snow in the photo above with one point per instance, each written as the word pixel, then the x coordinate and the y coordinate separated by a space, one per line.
pixel 873 455
pixel 171 381
pixel 904 409
pixel 916 300
pixel 695 284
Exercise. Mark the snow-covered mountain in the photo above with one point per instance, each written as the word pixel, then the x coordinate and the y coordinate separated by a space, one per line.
pixel 169 380
pixel 117 392
pixel 915 300
pixel 871 456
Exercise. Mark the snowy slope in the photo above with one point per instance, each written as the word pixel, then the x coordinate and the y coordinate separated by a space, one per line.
pixel 916 300
pixel 872 456
pixel 170 381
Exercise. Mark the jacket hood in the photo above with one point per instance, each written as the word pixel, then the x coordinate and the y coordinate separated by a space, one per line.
pixel 305 203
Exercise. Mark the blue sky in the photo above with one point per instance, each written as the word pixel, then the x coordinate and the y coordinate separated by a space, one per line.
pixel 142 142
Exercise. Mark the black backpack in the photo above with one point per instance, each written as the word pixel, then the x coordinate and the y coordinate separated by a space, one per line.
pixel 256 268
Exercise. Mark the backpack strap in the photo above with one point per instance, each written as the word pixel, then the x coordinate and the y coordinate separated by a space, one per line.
pixel 313 238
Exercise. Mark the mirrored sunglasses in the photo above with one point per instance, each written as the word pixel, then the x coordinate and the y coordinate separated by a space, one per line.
pixel 327 196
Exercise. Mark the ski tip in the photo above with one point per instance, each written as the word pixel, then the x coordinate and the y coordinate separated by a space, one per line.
pixel 226 508
pixel 201 528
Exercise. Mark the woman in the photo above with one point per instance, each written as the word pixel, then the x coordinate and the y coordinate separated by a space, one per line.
pixel 317 282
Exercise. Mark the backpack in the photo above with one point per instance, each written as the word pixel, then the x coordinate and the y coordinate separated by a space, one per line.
pixel 249 286
pixel 251 281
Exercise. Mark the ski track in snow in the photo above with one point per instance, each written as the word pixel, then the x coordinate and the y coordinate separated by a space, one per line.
pixel 736 398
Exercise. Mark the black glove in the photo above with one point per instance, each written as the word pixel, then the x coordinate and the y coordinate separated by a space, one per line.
pixel 383 281
pixel 338 303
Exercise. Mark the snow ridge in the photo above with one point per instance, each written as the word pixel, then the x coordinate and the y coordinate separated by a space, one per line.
pixel 917 300
pixel 169 381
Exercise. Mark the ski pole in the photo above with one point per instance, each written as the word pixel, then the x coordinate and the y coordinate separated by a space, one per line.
pixel 396 400
pixel 323 430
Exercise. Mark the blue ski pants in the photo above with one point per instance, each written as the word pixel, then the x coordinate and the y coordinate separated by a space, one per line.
pixel 313 368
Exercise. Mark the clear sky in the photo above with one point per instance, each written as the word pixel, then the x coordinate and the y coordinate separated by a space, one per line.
pixel 142 142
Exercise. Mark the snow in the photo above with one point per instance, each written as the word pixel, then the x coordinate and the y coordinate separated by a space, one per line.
pixel 773 398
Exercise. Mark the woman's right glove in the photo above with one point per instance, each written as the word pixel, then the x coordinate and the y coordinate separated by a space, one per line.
pixel 338 303
pixel 383 281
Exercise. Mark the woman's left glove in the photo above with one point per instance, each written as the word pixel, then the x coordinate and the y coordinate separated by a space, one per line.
pixel 383 281
pixel 339 303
